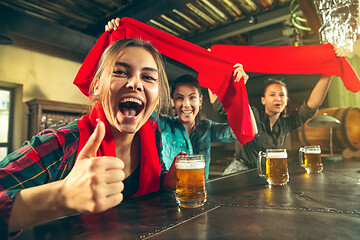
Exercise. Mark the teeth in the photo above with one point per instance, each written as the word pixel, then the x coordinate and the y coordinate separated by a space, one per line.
pixel 187 112
pixel 131 100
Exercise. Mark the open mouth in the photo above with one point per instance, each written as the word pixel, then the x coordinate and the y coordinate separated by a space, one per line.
pixel 130 107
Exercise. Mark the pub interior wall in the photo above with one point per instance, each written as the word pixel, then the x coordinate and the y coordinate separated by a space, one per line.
pixel 39 76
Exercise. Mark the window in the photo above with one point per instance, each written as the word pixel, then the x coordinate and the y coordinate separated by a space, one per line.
pixel 6 120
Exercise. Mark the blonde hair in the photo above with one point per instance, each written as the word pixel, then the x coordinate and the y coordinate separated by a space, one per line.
pixel 105 69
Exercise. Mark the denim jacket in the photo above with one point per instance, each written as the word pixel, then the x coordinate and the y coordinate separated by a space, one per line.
pixel 175 138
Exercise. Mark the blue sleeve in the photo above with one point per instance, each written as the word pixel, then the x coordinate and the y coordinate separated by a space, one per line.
pixel 161 120
pixel 222 132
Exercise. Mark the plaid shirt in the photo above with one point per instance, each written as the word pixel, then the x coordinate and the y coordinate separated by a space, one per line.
pixel 48 157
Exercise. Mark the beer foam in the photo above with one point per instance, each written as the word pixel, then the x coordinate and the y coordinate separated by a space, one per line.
pixel 189 165
pixel 314 151
pixel 277 155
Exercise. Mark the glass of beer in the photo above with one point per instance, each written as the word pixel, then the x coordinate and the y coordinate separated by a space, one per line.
pixel 276 166
pixel 310 159
pixel 190 181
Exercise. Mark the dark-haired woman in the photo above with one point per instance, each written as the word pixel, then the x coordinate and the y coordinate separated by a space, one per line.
pixel 273 124
pixel 186 131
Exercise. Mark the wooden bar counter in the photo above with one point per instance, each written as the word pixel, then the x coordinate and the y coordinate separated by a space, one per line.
pixel 239 206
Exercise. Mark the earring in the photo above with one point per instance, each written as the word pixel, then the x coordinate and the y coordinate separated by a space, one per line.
pixel 200 106
pixel 173 107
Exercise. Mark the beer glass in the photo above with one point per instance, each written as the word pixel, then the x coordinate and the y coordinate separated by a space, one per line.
pixel 276 166
pixel 190 181
pixel 310 159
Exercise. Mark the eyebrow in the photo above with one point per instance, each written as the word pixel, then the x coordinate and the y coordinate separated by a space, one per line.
pixel 129 66
pixel 178 94
pixel 276 91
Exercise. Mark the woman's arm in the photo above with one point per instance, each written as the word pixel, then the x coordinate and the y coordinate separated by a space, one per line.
pixel 36 205
pixel 253 122
pixel 318 94
pixel 320 90
pixel 169 182
pixel 93 185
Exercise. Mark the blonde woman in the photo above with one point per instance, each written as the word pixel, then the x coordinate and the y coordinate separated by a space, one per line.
pixel 94 163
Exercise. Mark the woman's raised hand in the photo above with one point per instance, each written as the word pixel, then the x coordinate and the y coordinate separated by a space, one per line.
pixel 95 183
pixel 112 24
pixel 239 73
pixel 339 51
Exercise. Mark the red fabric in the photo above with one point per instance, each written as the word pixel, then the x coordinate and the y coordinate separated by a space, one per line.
pixel 149 166
pixel 308 59
pixel 215 67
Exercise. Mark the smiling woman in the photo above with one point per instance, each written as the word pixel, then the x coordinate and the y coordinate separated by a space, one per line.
pixel 187 132
pixel 92 164
pixel 274 123
pixel 134 79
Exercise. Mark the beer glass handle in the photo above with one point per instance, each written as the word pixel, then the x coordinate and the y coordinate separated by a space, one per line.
pixel 261 156
pixel 301 156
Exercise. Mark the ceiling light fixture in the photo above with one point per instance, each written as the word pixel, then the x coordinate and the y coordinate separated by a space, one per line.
pixel 339 22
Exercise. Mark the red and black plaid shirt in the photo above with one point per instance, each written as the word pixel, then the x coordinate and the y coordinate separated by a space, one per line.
pixel 48 157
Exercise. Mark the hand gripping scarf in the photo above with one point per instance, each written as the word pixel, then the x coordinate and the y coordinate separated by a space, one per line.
pixel 149 164
pixel 215 67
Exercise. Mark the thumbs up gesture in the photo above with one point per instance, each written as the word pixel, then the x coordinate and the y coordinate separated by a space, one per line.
pixel 95 183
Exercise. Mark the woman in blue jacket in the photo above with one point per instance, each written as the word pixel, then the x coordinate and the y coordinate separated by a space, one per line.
pixel 186 132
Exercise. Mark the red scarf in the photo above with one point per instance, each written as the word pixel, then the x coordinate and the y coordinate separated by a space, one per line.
pixel 215 67
pixel 149 164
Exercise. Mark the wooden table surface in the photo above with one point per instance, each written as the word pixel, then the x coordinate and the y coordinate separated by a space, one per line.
pixel 239 206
